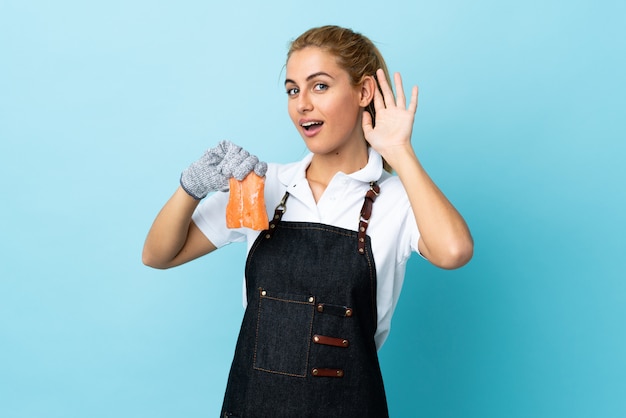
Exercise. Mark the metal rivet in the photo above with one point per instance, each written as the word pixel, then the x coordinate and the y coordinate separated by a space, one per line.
pixel 276 216
pixel 316 338
pixel 311 299
pixel 361 250
pixel 362 229
pixel 320 308
pixel 268 236
pixel 361 239
pixel 344 343
pixel 339 373
pixel 263 293
pixel 314 371
pixel 348 312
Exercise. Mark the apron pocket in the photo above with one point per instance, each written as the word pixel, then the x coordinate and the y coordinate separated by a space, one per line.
pixel 283 334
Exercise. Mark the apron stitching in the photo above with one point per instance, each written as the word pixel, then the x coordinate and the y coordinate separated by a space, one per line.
pixel 306 366
pixel 318 229
pixel 373 291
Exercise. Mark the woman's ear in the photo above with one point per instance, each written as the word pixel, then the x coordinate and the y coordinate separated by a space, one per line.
pixel 367 90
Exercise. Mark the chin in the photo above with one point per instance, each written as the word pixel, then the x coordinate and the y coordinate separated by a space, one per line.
pixel 317 148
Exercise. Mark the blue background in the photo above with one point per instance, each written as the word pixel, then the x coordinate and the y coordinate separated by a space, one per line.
pixel 521 123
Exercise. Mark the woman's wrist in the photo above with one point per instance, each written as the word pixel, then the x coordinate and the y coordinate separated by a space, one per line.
pixel 401 157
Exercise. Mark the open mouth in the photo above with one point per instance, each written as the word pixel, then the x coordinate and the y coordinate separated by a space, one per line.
pixel 311 125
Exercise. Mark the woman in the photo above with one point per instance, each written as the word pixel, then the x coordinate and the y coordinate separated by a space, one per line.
pixel 323 281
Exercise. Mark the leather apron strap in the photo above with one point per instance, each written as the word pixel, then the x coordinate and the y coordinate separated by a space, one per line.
pixel 366 213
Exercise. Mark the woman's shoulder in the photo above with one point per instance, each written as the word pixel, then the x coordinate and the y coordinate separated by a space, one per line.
pixel 388 181
pixel 392 196
pixel 277 179
pixel 274 169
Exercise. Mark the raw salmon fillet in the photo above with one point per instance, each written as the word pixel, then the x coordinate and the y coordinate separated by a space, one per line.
pixel 246 203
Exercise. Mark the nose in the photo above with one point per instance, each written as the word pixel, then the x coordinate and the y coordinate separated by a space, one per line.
pixel 304 103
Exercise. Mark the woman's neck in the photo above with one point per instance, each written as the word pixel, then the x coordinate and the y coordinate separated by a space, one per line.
pixel 323 167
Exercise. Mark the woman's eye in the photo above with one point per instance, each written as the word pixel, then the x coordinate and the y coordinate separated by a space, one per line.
pixel 292 91
pixel 320 87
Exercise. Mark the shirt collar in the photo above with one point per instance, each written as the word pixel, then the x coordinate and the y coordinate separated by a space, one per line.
pixel 372 171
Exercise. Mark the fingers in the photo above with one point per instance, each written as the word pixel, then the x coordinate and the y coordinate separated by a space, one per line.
pixel 238 163
pixel 379 101
pixel 222 148
pixel 216 154
pixel 216 166
pixel 413 103
pixel 245 167
pixel 385 88
pixel 260 168
pixel 388 99
pixel 400 99
pixel 366 122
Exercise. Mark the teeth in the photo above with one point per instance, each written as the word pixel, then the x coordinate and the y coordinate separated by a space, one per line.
pixel 309 124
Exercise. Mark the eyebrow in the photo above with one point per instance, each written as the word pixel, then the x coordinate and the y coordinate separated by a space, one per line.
pixel 317 74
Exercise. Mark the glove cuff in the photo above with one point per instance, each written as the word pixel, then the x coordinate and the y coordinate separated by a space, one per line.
pixel 191 189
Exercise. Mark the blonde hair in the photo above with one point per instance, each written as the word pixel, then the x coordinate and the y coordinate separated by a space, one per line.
pixel 354 52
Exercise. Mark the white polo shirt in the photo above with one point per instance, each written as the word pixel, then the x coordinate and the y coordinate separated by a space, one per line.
pixel 392 227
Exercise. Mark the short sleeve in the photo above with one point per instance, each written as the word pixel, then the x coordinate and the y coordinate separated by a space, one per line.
pixel 210 218
pixel 410 235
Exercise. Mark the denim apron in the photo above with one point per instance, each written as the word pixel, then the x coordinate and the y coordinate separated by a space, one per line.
pixel 306 345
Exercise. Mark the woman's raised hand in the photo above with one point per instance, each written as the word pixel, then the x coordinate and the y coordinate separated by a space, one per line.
pixel 391 132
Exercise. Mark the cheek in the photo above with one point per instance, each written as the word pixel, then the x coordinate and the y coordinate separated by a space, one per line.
pixel 347 111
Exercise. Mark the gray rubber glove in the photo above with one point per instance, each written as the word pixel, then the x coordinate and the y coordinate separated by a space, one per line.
pixel 216 166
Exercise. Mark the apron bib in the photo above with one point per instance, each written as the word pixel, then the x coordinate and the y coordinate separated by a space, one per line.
pixel 306 346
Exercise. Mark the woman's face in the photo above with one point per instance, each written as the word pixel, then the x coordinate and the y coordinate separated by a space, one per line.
pixel 323 104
